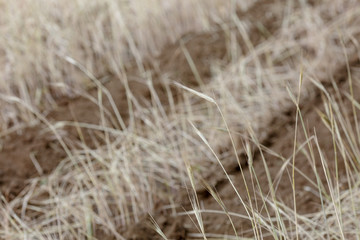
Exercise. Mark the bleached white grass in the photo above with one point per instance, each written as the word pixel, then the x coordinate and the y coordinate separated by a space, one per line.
pixel 103 36
pixel 111 187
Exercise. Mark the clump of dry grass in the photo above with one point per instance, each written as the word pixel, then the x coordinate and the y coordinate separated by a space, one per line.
pixel 103 36
pixel 111 187
pixel 337 193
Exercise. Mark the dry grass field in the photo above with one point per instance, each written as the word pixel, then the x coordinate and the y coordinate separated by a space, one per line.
pixel 180 119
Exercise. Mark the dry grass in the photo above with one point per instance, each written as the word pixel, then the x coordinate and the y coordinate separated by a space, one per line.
pixel 105 190
pixel 104 36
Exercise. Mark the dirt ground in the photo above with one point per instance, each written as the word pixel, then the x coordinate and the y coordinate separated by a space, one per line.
pixel 22 149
